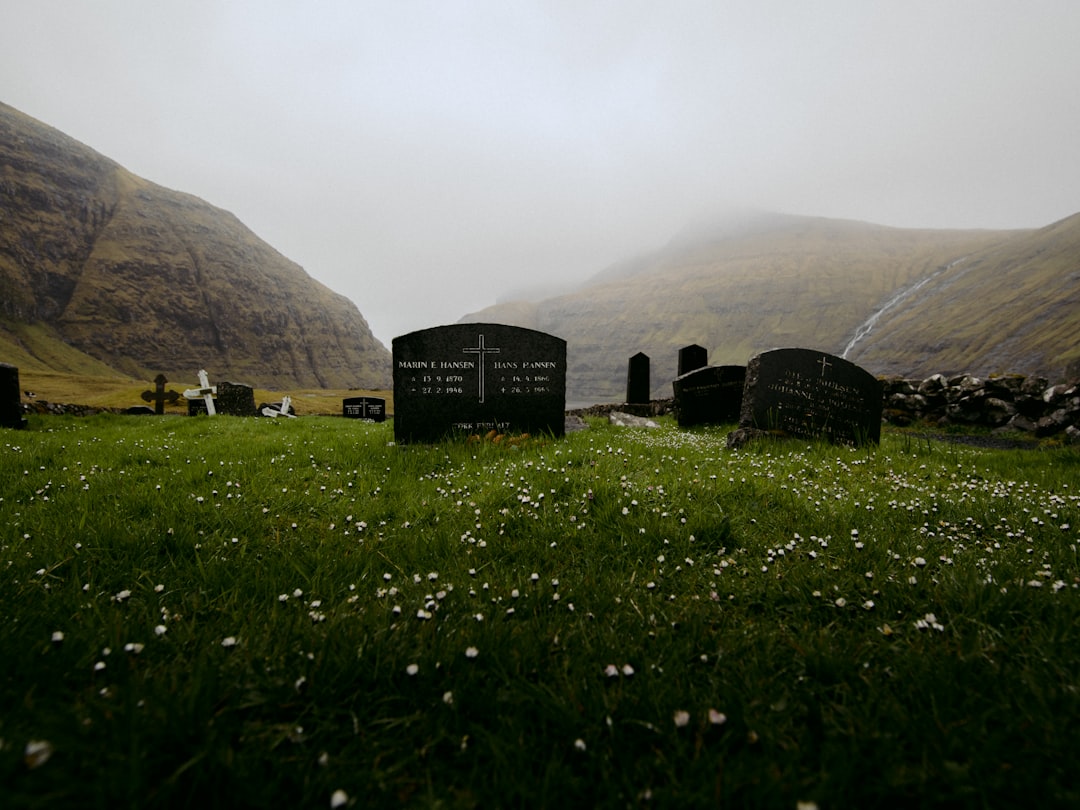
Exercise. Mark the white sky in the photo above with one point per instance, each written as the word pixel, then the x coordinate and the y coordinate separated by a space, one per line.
pixel 425 158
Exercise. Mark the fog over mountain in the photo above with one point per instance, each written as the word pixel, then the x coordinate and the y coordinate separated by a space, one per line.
pixel 425 159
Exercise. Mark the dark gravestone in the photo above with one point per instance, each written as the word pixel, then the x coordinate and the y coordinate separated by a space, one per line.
pixel 235 399
pixel 196 407
pixel 10 398
pixel 709 396
pixel 810 394
pixel 478 377
pixel 637 380
pixel 371 408
pixel 141 410
pixel 159 396
pixel 692 357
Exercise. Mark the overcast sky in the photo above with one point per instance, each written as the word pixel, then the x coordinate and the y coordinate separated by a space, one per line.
pixel 424 158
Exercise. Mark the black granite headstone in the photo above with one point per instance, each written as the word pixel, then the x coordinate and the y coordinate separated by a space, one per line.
pixel 692 357
pixel 10 398
pixel 370 408
pixel 477 377
pixel 810 394
pixel 709 396
pixel 235 399
pixel 197 407
pixel 637 380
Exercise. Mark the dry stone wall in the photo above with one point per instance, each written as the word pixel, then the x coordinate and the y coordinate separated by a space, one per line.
pixel 1007 403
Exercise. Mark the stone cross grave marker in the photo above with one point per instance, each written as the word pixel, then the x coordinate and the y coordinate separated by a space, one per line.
pixel 637 380
pixel 811 394
pixel 205 392
pixel 10 398
pixel 282 410
pixel 711 395
pixel 478 377
pixel 159 396
pixel 692 357
pixel 370 408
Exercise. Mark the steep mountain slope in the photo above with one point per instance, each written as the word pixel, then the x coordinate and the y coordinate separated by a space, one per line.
pixel 736 288
pixel 1014 307
pixel 100 269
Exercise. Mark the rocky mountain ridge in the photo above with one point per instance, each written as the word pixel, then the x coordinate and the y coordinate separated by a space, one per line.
pixel 103 271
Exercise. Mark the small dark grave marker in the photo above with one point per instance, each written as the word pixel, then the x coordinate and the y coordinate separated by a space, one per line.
pixel 709 396
pixel 10 401
pixel 159 396
pixel 370 408
pixel 478 377
pixel 637 380
pixel 692 357
pixel 810 394
pixel 236 399
pixel 141 410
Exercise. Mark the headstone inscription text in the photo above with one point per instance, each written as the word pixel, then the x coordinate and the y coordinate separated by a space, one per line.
pixel 477 377
pixel 810 394
pixel 371 408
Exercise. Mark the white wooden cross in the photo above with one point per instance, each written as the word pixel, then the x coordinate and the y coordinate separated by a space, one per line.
pixel 286 401
pixel 206 391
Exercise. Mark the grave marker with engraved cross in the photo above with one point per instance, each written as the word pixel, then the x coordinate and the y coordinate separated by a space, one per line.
pixel 475 378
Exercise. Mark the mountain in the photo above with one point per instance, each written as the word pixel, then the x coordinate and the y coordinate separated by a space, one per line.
pixel 1012 307
pixel 103 272
pixel 737 287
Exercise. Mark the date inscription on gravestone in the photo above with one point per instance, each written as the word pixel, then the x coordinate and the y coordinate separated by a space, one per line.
pixel 810 394
pixel 477 377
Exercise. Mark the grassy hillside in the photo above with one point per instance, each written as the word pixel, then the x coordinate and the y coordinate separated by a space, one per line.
pixel 1012 308
pixel 100 268
pixel 770 282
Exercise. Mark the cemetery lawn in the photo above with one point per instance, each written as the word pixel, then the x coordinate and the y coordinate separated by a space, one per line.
pixel 291 613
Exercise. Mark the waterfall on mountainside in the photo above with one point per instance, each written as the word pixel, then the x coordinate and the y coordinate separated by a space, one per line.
pixel 867 326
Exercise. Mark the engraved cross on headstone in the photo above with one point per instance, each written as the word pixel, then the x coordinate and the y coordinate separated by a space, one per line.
pixel 159 396
pixel 206 391
pixel 824 364
pixel 480 350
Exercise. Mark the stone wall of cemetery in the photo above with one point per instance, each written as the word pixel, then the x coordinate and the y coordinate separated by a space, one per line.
pixel 1007 402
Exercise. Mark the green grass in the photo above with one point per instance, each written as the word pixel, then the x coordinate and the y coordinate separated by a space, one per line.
pixel 615 618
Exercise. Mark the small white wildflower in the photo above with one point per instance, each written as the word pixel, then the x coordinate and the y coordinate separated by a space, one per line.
pixel 37 753
pixel 228 641
pixel 579 744
pixel 448 698
pixel 412 669
pixel 717 718
pixel 57 636
pixel 122 595
pixel 471 652
pixel 160 630
pixel 133 647
pixel 611 671
pixel 339 799
pixel 627 670
pixel 682 718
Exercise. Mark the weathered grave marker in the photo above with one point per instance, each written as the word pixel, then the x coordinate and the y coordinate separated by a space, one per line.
pixel 477 377
pixel 10 398
pixel 236 399
pixel 159 396
pixel 709 396
pixel 637 380
pixel 810 394
pixel 283 408
pixel 204 392
pixel 692 357
pixel 370 408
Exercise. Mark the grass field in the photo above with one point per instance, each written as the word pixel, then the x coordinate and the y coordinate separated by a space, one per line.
pixel 253 612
